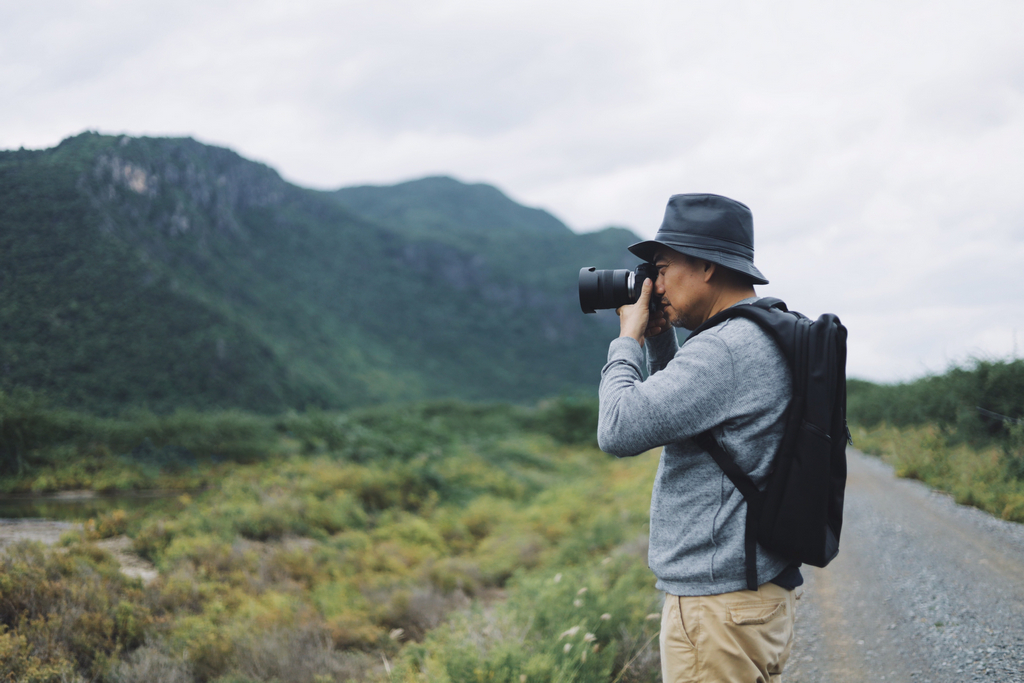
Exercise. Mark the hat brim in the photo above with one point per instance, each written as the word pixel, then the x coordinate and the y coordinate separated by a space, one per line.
pixel 646 251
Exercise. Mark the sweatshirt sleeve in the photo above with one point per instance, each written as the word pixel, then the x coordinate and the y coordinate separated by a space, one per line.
pixel 691 394
pixel 661 350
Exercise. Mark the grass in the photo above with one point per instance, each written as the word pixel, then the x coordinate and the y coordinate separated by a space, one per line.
pixel 426 542
pixel 985 477
pixel 961 432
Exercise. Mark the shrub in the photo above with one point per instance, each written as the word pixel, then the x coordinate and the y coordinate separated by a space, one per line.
pixel 582 624
pixel 950 400
pixel 300 654
pixel 150 663
pixel 67 606
pixel 569 420
pixel 19 661
pixel 311 567
pixel 978 476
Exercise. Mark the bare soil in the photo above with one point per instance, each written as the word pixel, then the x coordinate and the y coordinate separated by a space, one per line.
pixel 49 532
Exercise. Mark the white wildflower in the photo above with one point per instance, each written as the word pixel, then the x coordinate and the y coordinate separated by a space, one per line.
pixel 577 602
pixel 568 646
pixel 569 632
pixel 558 577
pixel 605 616
pixel 589 638
pixel 652 617
pixel 581 591
pixel 396 633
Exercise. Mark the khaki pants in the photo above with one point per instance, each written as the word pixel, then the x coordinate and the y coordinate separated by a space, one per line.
pixel 740 637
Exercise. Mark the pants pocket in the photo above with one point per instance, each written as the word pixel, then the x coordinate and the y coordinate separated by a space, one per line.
pixel 674 622
pixel 756 613
pixel 678 654
pixel 765 630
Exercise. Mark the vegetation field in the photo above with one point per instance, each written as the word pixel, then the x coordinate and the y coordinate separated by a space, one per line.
pixel 438 541
pixel 961 432
pixel 431 542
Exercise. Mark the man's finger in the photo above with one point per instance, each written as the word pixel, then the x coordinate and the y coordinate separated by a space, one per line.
pixel 645 293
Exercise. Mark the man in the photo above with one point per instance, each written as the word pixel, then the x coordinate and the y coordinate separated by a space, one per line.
pixel 733 380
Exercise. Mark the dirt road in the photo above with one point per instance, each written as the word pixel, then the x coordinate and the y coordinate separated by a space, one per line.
pixel 923 590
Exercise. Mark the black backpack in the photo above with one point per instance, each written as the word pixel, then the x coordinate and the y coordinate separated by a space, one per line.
pixel 800 511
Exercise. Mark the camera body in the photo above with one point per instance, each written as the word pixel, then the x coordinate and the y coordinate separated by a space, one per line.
pixel 602 289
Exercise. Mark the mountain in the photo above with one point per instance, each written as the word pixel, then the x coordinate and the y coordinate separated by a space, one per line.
pixel 164 273
pixel 521 245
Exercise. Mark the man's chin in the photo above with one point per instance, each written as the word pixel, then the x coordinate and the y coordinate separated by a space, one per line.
pixel 678 321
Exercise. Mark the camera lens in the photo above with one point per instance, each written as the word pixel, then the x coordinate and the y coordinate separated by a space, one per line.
pixel 601 289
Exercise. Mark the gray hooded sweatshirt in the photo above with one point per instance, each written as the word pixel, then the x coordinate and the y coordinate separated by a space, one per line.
pixel 731 379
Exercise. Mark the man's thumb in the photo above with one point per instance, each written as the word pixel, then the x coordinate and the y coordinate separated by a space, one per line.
pixel 645 292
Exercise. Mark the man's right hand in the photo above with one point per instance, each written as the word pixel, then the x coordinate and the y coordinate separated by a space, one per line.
pixel 636 321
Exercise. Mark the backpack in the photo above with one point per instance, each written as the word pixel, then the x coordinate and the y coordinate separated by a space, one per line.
pixel 799 513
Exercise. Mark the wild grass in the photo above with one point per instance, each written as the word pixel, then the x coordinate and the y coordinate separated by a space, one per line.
pixel 986 477
pixel 385 544
pixel 961 432
pixel 66 615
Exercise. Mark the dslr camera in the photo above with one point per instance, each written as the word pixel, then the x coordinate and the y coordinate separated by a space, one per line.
pixel 600 289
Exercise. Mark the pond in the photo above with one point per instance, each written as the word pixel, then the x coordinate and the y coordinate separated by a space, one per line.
pixel 78 506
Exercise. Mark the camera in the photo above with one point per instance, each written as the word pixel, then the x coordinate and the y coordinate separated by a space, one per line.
pixel 600 289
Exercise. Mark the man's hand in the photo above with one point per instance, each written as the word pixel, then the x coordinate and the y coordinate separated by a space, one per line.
pixel 635 320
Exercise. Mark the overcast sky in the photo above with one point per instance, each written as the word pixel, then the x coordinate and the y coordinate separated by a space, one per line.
pixel 879 144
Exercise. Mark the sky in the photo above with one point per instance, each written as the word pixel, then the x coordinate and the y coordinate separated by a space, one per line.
pixel 880 145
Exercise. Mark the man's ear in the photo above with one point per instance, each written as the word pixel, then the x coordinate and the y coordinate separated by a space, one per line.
pixel 709 270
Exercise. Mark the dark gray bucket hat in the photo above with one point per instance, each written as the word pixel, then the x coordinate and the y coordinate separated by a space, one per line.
pixel 709 227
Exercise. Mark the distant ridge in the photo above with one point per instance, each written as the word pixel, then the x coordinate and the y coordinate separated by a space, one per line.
pixel 443 206
pixel 165 273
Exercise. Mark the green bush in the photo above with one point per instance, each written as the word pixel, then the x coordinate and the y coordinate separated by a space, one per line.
pixel 66 610
pixel 932 429
pixel 950 400
pixel 582 624
pixel 334 542
pixel 979 476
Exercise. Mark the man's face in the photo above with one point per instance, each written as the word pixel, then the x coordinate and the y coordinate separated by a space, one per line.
pixel 682 286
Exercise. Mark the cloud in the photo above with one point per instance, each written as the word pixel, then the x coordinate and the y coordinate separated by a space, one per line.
pixel 879 144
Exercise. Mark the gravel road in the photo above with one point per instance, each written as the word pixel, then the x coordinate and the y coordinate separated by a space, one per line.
pixel 923 590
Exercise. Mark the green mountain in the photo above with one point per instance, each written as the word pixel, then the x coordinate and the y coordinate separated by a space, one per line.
pixel 521 246
pixel 164 273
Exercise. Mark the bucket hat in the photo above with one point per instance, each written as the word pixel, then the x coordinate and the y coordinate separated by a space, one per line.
pixel 709 227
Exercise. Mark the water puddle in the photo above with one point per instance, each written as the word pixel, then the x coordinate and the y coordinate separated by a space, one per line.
pixel 78 506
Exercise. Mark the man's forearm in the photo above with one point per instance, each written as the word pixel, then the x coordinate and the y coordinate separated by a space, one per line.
pixel 661 350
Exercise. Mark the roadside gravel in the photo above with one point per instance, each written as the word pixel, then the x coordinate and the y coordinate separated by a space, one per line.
pixel 923 590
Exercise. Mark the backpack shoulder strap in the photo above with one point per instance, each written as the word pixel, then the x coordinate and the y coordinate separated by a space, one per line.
pixel 751 495
pixel 765 313
pixel 756 311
